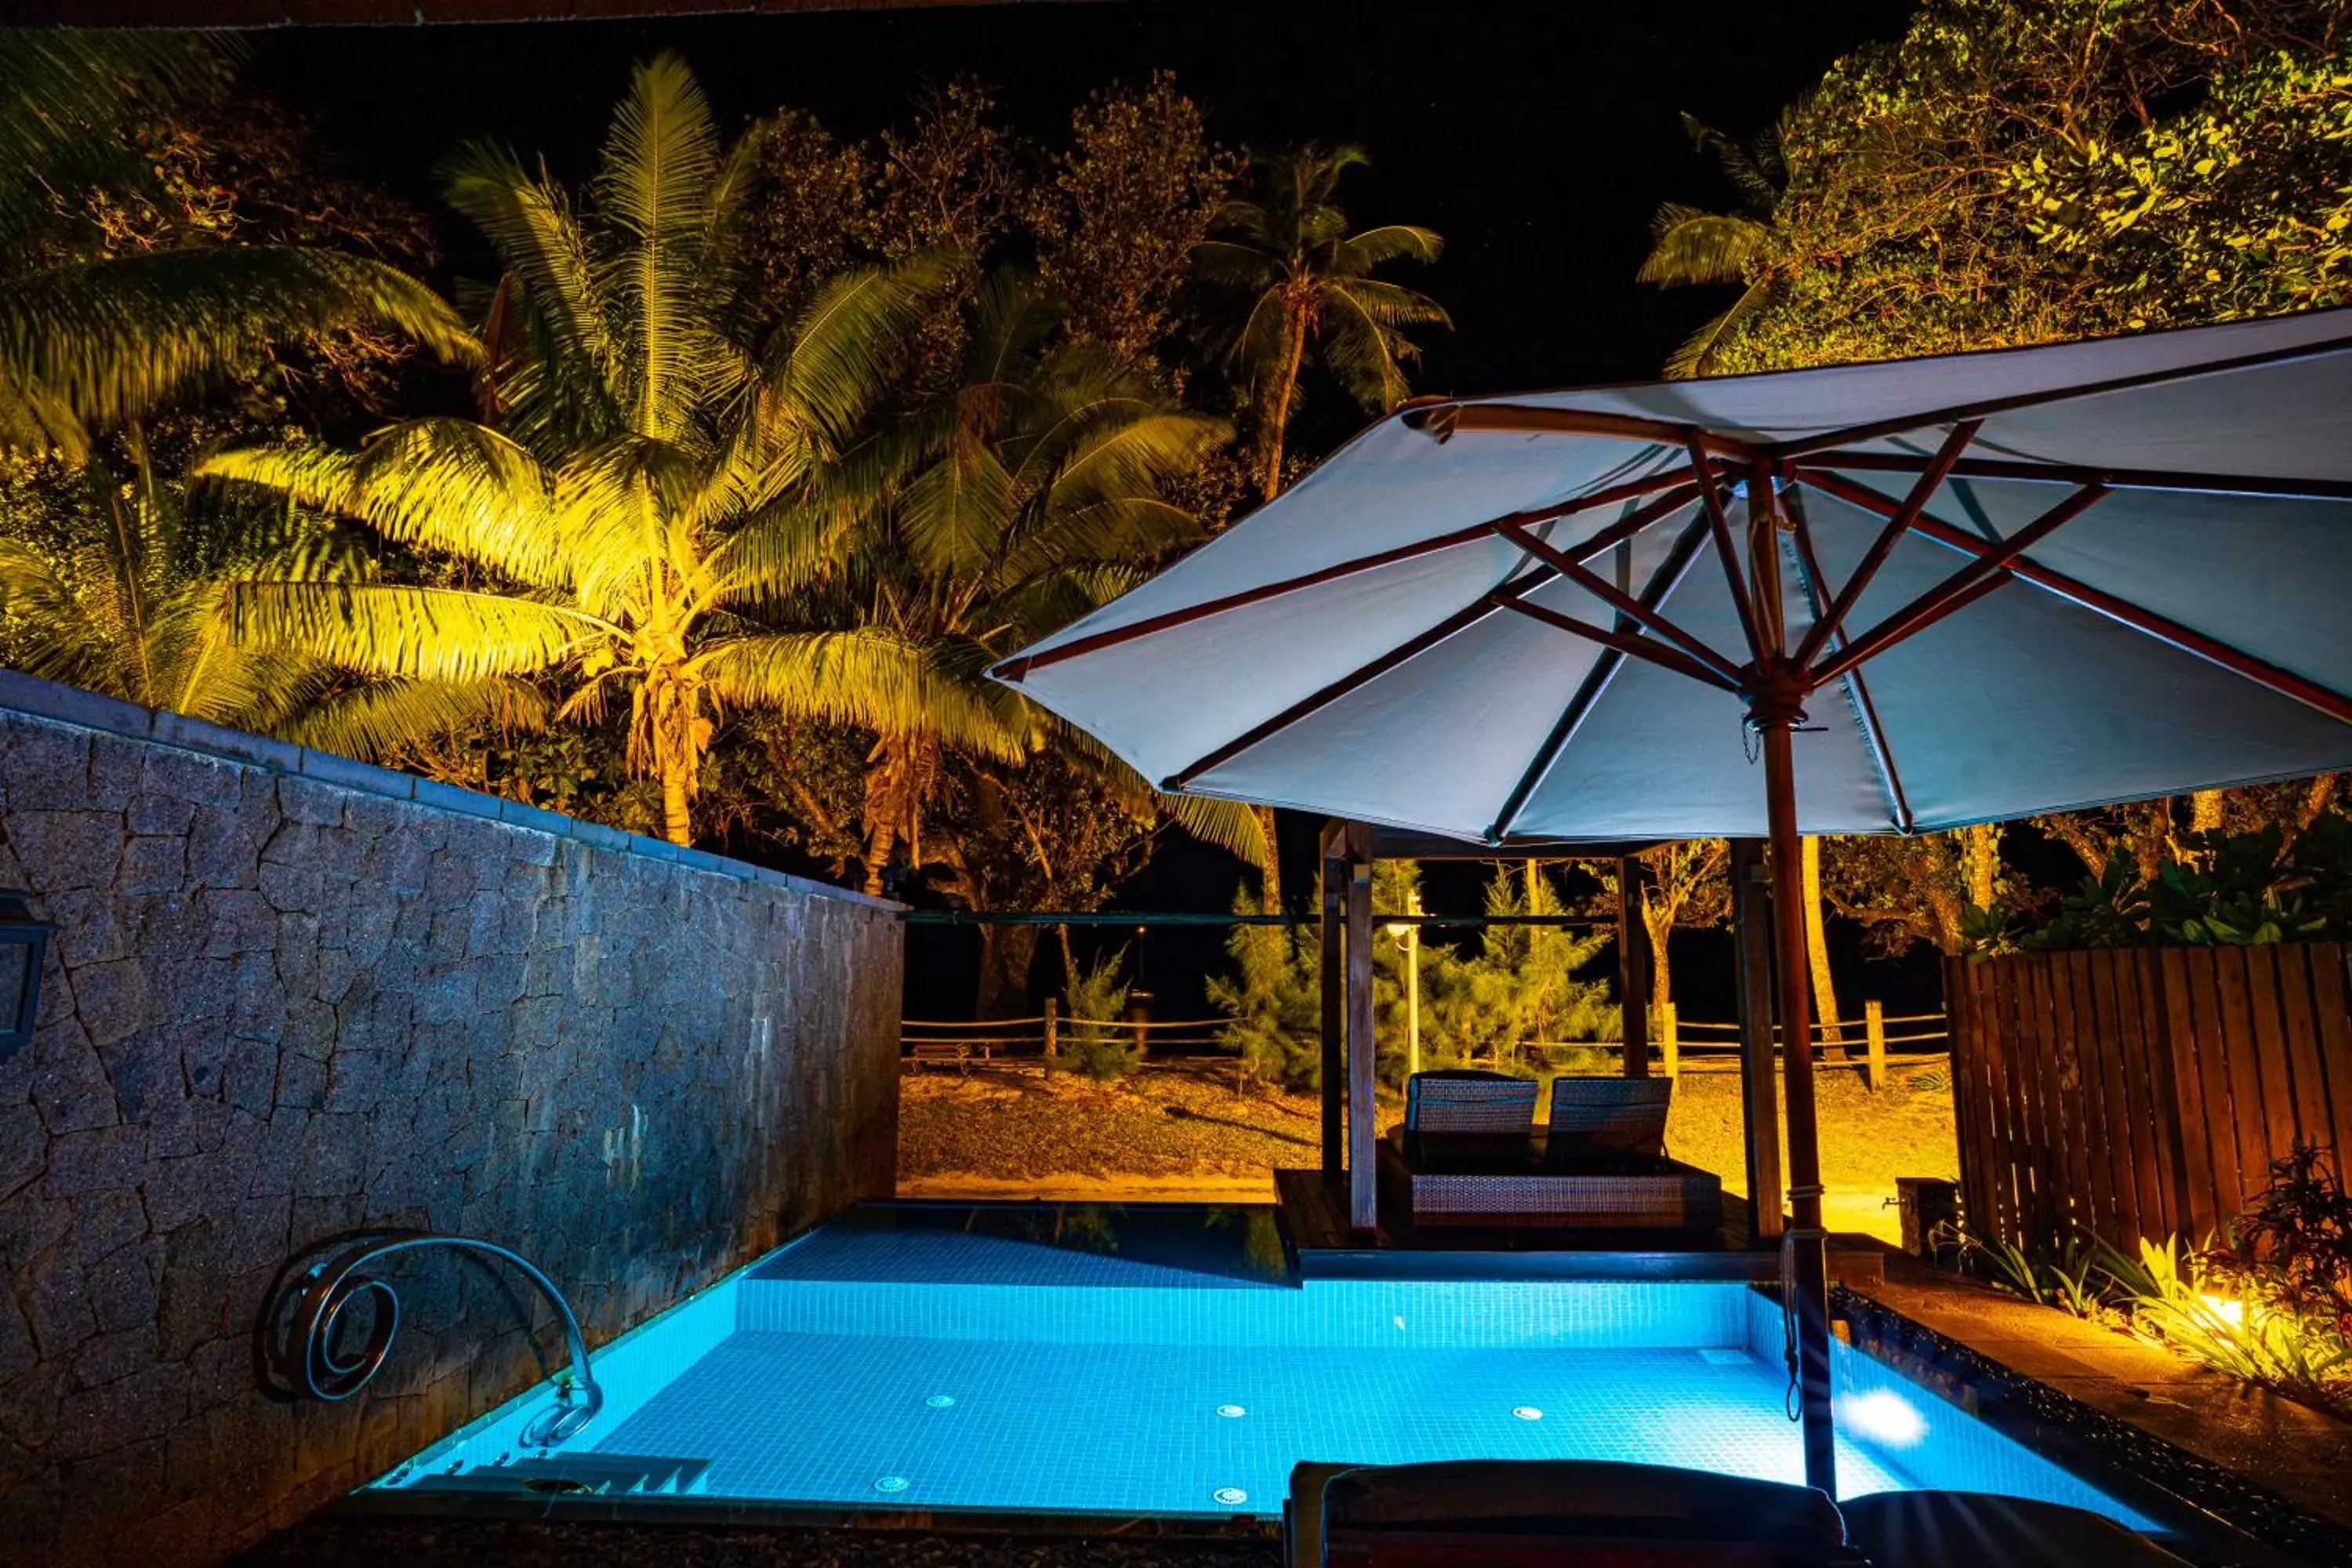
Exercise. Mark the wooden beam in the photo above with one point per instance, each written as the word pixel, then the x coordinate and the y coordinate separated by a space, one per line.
pixel 1641 612
pixel 1931 478
pixel 2256 487
pixel 1363 1125
pixel 1720 525
pixel 1443 421
pixel 1633 969
pixel 1962 588
pixel 1626 642
pixel 1751 918
pixel 1334 1065
pixel 1674 479
pixel 2236 660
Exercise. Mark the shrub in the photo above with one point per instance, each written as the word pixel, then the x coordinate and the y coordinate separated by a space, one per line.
pixel 1100 1050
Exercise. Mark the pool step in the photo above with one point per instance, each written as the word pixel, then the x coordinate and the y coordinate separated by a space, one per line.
pixel 577 1475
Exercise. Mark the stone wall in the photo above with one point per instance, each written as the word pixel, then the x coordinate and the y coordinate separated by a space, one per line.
pixel 292 995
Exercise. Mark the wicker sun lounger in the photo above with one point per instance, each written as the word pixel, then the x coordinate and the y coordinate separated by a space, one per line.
pixel 1602 1165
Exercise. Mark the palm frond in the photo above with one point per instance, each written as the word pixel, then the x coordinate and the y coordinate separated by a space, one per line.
pixel 828 370
pixel 113 340
pixel 1359 253
pixel 1695 354
pixel 1228 824
pixel 382 717
pixel 867 678
pixel 1689 247
pixel 427 634
pixel 445 485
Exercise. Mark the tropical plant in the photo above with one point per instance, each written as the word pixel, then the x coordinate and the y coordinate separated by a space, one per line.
pixel 1273 1001
pixel 1029 494
pixel 2179 1298
pixel 1297 284
pixel 1520 988
pixel 90 340
pixel 639 492
pixel 1091 1042
pixel 1692 247
pixel 2293 1244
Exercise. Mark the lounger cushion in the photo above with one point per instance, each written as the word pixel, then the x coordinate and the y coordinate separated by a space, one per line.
pixel 1605 1119
pixel 1464 1115
pixel 1963 1530
pixel 1563 1499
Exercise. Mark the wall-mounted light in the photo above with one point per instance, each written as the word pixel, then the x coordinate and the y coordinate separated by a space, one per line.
pixel 24 941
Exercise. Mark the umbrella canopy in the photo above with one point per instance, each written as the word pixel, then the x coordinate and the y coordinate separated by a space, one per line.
pixel 2009 583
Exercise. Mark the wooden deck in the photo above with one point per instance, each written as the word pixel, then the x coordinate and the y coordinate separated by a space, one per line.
pixel 1314 1210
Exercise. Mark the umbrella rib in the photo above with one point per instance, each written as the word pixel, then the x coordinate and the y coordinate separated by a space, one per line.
pixel 1634 609
pixel 2163 628
pixel 1872 731
pixel 1443 422
pixel 1720 525
pixel 1960 589
pixel 1931 478
pixel 1595 685
pixel 1460 620
pixel 2071 474
pixel 1017 667
pixel 1805 445
pixel 1650 648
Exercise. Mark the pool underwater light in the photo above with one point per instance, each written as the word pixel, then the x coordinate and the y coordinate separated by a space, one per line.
pixel 1232 1411
pixel 940 1401
pixel 1883 1417
pixel 1527 1412
pixel 1229 1496
pixel 890 1484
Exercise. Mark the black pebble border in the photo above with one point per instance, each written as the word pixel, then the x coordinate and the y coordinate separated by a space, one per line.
pixel 2108 1450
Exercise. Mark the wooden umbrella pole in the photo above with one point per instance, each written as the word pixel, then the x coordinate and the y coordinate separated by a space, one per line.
pixel 1806 1241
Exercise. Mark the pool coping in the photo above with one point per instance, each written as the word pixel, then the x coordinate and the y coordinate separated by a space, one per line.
pixel 2206 1500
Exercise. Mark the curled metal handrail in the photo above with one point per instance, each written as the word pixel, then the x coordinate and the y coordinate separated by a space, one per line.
pixel 306 1359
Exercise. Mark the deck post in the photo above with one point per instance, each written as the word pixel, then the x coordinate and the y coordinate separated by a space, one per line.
pixel 1053 1031
pixel 1633 969
pixel 1363 1126
pixel 1752 914
pixel 1334 1071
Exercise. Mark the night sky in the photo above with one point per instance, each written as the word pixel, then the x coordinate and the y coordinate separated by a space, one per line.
pixel 1537 138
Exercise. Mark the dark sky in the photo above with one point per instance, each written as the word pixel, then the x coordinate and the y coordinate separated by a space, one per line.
pixel 1537 138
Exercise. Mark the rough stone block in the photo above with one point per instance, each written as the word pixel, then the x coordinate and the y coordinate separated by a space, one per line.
pixel 153 863
pixel 61 850
pixel 100 1158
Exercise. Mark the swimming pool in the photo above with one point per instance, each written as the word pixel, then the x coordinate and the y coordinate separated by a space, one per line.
pixel 1166 1364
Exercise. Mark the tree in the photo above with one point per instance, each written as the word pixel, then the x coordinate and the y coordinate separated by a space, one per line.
pixel 93 338
pixel 1299 285
pixel 638 493
pixel 1027 496
pixel 1689 247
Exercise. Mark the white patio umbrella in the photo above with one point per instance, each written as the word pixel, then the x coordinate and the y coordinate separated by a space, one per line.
pixel 1881 599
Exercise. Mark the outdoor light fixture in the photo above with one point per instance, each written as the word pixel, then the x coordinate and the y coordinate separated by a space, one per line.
pixel 24 941
pixel 2232 1312
pixel 1883 1417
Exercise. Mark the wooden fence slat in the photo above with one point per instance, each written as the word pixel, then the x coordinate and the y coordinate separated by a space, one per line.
pixel 2271 1056
pixel 2102 1128
pixel 2332 1017
pixel 2124 1050
pixel 2069 1110
pixel 1994 1216
pixel 2200 990
pixel 2140 993
pixel 2247 1114
pixel 2036 1032
pixel 2312 1121
pixel 2009 1167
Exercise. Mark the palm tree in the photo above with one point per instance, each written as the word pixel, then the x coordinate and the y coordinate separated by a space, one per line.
pixel 1298 281
pixel 1689 247
pixel 636 495
pixel 138 608
pixel 89 344
pixel 1028 495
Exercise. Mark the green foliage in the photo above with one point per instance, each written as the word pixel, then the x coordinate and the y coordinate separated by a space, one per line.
pixel 1520 987
pixel 1295 283
pixel 2293 1244
pixel 2013 172
pixel 1274 1002
pixel 1100 1050
pixel 2191 1307
pixel 2223 889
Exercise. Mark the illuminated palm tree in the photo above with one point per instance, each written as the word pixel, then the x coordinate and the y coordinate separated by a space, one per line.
pixel 1689 247
pixel 90 344
pixel 1300 284
pixel 1029 495
pixel 639 495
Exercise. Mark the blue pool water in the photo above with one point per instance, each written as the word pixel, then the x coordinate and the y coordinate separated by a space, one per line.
pixel 1061 1360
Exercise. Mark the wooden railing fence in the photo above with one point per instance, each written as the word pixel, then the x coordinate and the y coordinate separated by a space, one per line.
pixel 2141 1092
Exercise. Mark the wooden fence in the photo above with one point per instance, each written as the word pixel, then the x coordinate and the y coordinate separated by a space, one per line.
pixel 1874 1043
pixel 2141 1092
